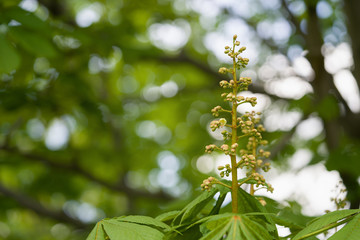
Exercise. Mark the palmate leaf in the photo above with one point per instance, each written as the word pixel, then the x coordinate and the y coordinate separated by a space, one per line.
pixel 231 226
pixel 194 207
pixel 187 229
pixel 130 227
pixel 326 222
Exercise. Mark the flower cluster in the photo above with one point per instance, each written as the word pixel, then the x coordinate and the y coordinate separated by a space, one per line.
pixel 226 135
pixel 241 84
pixel 226 84
pixel 249 124
pixel 229 150
pixel 207 183
pixel 223 70
pixel 230 97
pixel 210 148
pixel 230 51
pixel 216 110
pixel 217 124
pixel 251 156
pixel 260 181
pixel 224 170
pixel 252 162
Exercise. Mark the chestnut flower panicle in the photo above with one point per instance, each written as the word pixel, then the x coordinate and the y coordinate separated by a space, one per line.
pixel 251 156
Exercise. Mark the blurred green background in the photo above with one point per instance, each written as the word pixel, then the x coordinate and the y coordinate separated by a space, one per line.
pixel 105 105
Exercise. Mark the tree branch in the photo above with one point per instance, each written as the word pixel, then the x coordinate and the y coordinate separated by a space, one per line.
pixel 293 19
pixel 183 57
pixel 76 169
pixel 38 208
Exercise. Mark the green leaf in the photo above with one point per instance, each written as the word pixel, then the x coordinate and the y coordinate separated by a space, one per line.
pixel 9 58
pixel 351 231
pixel 255 230
pixel 292 217
pixel 218 232
pixel 167 216
pixel 191 233
pixel 235 232
pixel 33 42
pixel 145 220
pixel 27 19
pixel 233 227
pixel 97 233
pixel 193 208
pixel 325 222
pixel 218 204
pixel 249 204
pixel 251 181
pixel 117 230
pixel 129 227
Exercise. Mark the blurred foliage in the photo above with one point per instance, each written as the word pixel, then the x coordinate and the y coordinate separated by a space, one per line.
pixel 105 104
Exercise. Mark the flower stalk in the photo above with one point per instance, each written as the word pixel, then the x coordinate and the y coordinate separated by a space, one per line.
pixel 250 156
pixel 234 187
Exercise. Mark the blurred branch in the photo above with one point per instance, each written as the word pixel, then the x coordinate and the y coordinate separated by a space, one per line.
pixel 38 208
pixel 76 169
pixel 293 19
pixel 184 57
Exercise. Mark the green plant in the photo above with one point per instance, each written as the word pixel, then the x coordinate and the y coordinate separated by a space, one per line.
pixel 250 217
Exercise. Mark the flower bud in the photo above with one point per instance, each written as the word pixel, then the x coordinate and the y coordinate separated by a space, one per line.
pixel 242 49
pixel 225 147
pixel 223 70
pixel 222 122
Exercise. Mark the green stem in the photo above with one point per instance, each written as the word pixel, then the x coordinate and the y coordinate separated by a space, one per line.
pixel 221 183
pixel 241 183
pixel 252 189
pixel 245 135
pixel 234 188
pixel 224 110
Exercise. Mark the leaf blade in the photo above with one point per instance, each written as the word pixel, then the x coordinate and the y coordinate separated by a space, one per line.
pixel 9 58
pixel 322 222
pixel 194 207
pixel 351 231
